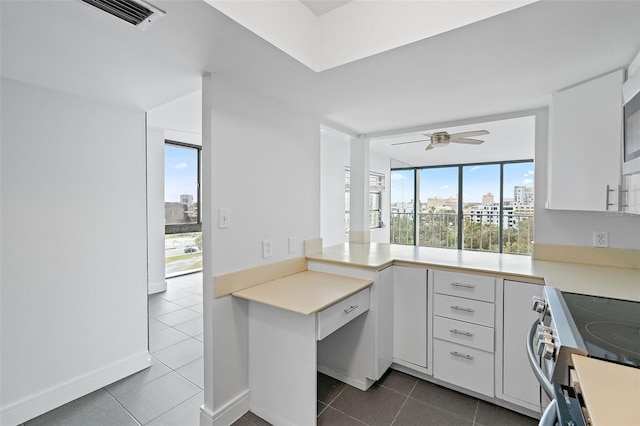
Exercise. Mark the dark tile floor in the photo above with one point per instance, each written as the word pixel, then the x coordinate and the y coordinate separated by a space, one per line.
pixel 401 400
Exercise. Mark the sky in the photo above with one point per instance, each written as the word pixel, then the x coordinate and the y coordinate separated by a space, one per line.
pixel 180 172
pixel 477 181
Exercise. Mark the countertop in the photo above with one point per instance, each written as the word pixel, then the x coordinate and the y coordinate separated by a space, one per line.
pixel 306 292
pixel 620 283
pixel 611 391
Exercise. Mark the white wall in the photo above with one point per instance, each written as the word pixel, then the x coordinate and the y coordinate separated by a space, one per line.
pixel 334 158
pixel 73 267
pixel 262 161
pixel 575 227
pixel 380 163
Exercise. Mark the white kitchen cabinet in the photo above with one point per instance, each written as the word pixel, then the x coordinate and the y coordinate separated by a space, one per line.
pixel 463 366
pixel 410 316
pixel 361 351
pixel 631 198
pixel 463 328
pixel 519 384
pixel 585 145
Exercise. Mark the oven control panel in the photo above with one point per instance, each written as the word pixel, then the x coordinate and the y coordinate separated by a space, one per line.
pixel 546 345
pixel 539 304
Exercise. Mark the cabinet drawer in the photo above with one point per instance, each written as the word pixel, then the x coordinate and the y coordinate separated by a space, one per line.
pixel 335 316
pixel 464 285
pixel 462 309
pixel 463 366
pixel 463 333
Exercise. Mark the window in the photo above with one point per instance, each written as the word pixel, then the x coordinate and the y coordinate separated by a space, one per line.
pixel 483 207
pixel 376 190
pixel 438 207
pixel 402 206
pixel 183 226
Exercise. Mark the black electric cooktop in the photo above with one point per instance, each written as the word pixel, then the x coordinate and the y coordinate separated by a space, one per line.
pixel 609 327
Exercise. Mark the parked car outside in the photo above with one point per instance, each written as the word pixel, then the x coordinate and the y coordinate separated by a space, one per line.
pixel 190 250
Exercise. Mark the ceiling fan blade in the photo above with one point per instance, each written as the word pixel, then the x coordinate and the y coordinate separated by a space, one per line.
pixel 403 143
pixel 466 141
pixel 471 133
pixel 430 146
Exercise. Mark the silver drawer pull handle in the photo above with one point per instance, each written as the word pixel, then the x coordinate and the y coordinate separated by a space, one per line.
pixel 351 308
pixel 459 355
pixel 463 285
pixel 459 308
pixel 464 333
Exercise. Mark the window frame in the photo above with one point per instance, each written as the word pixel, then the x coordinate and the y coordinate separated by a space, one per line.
pixel 183 228
pixel 460 213
pixel 377 189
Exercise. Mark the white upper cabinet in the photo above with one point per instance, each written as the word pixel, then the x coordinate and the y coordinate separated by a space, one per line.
pixel 585 145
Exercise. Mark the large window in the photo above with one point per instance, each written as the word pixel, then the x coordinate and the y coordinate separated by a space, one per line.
pixel 183 227
pixel 483 207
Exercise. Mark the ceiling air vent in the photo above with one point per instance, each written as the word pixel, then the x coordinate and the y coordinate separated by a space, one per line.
pixel 136 12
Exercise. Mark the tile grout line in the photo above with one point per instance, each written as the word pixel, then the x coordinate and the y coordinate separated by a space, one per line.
pixel 123 407
pixel 475 415
pixel 336 397
pixel 339 411
pixel 404 402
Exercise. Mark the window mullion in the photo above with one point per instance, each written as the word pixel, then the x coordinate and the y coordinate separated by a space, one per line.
pixel 501 213
pixel 460 213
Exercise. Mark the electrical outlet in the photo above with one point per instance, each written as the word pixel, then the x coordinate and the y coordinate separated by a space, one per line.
pixel 267 248
pixel 600 239
pixel 292 245
pixel 224 218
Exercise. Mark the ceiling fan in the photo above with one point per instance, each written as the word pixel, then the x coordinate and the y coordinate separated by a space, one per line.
pixel 444 138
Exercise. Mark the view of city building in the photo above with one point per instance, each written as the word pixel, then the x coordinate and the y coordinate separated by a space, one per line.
pixel 475 221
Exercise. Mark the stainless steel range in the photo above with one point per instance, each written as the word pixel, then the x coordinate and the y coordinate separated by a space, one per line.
pixel 570 323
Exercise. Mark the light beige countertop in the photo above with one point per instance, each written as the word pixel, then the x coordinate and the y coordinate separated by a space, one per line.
pixel 305 293
pixel 611 391
pixel 621 283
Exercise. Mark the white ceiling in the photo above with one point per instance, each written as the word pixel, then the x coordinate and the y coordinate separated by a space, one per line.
pixel 508 139
pixel 510 62
pixel 320 7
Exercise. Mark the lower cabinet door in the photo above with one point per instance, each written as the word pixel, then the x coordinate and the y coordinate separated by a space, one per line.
pixel 463 366
pixel 410 315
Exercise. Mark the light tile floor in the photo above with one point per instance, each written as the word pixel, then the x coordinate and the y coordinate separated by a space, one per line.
pixel 170 392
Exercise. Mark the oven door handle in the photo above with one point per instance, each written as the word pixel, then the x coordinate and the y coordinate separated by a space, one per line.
pixel 550 415
pixel 535 366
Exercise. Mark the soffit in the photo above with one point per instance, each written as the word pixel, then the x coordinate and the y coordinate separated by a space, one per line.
pixel 353 30
pixel 320 7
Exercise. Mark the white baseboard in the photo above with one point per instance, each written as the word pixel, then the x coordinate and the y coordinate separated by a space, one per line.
pixel 157 287
pixel 227 414
pixel 26 409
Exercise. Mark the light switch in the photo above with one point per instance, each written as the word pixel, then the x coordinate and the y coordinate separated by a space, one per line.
pixel 224 218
